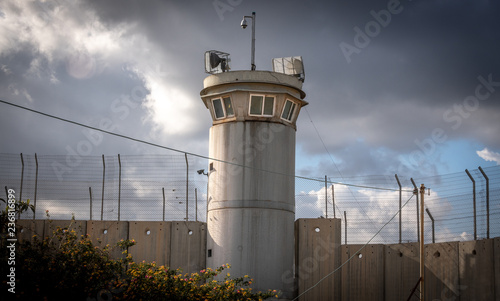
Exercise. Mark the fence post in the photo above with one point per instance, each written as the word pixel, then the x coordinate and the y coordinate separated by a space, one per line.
pixel 196 204
pixel 163 192
pixel 119 184
pixel 473 201
pixel 22 178
pixel 326 198
pixel 432 223
pixel 345 230
pixel 399 184
pixel 90 194
pixel 333 201
pixel 422 255
pixel 36 186
pixel 103 176
pixel 187 186
pixel 418 220
pixel 487 202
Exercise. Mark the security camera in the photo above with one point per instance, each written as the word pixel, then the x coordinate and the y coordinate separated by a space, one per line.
pixel 244 23
pixel 201 171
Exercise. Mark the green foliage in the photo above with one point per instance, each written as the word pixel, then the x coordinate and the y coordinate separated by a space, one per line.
pixel 67 266
pixel 19 207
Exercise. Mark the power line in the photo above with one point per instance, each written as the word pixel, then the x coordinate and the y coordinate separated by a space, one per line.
pixel 177 150
pixel 338 170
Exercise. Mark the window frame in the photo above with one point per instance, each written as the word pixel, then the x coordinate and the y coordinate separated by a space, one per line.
pixel 223 106
pixel 263 106
pixel 291 112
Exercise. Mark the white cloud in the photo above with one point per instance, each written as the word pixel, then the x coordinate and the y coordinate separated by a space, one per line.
pixel 488 155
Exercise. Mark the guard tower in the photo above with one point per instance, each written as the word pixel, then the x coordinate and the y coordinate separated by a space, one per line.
pixel 251 184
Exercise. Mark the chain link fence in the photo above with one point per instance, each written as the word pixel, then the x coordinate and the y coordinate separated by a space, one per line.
pixel 169 187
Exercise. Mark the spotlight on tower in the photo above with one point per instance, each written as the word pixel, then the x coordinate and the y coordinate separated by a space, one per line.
pixel 216 62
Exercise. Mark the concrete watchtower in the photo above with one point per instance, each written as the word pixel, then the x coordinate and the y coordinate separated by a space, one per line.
pixel 251 203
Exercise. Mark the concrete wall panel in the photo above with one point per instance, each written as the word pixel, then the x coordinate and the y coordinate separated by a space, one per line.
pixel 402 270
pixel 153 242
pixel 363 275
pixel 477 274
pixel 441 271
pixel 26 229
pixel 80 227
pixel 188 246
pixel 108 232
pixel 317 255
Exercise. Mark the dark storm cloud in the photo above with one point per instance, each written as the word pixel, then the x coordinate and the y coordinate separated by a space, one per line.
pixel 395 90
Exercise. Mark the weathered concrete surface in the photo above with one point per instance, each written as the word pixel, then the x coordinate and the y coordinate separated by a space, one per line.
pixel 477 274
pixel 152 242
pixel 188 241
pixel 441 271
pixel 80 227
pixel 103 233
pixel 363 275
pixel 402 270
pixel 251 207
pixel 251 213
pixel 26 229
pixel 317 255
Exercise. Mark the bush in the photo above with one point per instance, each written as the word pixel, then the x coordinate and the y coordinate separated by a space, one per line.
pixel 65 265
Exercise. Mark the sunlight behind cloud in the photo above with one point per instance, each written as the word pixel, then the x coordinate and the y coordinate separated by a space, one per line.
pixel 170 109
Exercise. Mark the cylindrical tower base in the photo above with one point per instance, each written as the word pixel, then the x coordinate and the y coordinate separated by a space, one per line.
pixel 251 209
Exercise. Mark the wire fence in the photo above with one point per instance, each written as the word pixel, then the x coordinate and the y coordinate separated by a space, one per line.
pixel 169 187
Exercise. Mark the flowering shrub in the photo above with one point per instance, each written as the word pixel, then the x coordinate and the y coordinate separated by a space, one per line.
pixel 67 266
pixel 151 282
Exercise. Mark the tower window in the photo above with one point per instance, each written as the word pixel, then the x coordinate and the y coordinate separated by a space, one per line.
pixel 288 110
pixel 261 105
pixel 223 107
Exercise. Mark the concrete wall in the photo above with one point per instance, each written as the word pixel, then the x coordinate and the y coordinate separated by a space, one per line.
pixel 153 239
pixel 453 270
pixel 188 241
pixel 174 244
pixel 317 255
pixel 363 275
pixel 401 266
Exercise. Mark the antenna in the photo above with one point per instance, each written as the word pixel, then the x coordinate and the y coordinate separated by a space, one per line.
pixel 216 61
pixel 292 65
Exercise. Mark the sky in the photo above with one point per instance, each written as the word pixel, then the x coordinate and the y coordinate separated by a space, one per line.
pixel 394 87
pixel 407 87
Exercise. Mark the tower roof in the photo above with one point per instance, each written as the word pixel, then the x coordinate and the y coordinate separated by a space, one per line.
pixel 264 77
